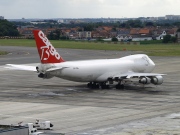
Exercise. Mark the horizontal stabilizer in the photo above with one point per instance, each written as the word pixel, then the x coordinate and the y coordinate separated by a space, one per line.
pixel 21 67
pixel 55 69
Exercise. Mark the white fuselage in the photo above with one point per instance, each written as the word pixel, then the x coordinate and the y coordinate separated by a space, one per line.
pixel 100 70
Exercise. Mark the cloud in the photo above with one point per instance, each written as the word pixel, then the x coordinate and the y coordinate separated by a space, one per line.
pixel 87 8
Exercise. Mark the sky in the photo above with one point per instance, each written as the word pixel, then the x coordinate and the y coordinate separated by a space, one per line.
pixel 17 9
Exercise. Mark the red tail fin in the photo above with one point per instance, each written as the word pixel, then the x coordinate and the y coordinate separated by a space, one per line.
pixel 47 52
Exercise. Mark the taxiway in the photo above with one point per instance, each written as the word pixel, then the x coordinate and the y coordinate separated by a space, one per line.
pixel 75 109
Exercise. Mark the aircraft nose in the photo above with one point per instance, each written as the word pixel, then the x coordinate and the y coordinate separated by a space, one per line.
pixel 152 63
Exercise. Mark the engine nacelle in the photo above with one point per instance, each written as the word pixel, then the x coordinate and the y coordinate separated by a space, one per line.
pixel 157 80
pixel 40 68
pixel 145 80
pixel 43 67
pixel 45 76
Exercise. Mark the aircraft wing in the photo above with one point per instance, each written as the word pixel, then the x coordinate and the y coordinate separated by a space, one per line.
pixel 21 67
pixel 133 74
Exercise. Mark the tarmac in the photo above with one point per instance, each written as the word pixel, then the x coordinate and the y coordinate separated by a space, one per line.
pixel 74 109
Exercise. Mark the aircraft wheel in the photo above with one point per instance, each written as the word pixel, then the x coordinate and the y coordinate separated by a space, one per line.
pixel 119 86
pixel 122 86
pixel 93 85
pixel 104 86
pixel 97 86
pixel 89 85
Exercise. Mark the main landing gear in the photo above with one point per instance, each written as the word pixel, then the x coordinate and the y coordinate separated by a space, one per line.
pixel 119 86
pixel 94 85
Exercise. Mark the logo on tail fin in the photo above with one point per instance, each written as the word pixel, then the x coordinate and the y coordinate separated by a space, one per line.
pixel 48 49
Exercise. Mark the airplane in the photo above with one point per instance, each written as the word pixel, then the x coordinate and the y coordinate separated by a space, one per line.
pixel 98 73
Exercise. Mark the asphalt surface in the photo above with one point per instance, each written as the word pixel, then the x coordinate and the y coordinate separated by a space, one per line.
pixel 75 109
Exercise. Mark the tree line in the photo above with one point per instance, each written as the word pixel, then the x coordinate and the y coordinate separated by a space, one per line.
pixel 92 25
pixel 8 28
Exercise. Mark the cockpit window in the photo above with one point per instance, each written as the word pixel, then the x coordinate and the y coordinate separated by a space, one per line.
pixel 146 59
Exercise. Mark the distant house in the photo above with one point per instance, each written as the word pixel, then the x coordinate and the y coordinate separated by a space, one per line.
pixel 160 36
pixel 144 31
pixel 141 38
pixel 48 30
pixel 84 34
pixel 140 34
pixel 27 32
pixel 66 32
pixel 95 34
pixel 100 34
pixel 113 34
pixel 172 32
pixel 124 38
pixel 134 31
pixel 123 32
pixel 123 35
pixel 107 28
pixel 73 35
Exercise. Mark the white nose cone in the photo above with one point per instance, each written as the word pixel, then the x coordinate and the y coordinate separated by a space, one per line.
pixel 151 65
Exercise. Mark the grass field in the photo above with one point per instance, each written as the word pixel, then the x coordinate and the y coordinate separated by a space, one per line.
pixel 150 49
pixel 3 53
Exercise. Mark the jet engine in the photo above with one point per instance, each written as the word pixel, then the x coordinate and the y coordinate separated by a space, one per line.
pixel 145 80
pixel 157 80
pixel 42 70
